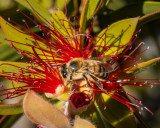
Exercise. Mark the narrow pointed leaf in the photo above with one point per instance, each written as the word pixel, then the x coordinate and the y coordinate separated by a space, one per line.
pixel 9 121
pixel 61 3
pixel 83 19
pixel 141 65
pixel 41 112
pixel 116 36
pixel 22 41
pixel 8 53
pixel 11 109
pixel 149 17
pixel 35 7
pixel 97 117
pixel 9 69
pixel 82 123
pixel 90 8
pixel 11 66
pixel 60 22
pixel 2 37
pixel 117 114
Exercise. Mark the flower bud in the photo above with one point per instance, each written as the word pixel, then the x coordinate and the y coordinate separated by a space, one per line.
pixel 78 102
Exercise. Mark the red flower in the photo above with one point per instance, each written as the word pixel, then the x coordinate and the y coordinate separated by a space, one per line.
pixel 58 46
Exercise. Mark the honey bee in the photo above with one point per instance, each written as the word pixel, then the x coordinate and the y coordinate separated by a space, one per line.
pixel 79 68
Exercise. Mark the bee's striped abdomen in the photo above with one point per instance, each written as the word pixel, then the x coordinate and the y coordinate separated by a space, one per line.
pixel 98 70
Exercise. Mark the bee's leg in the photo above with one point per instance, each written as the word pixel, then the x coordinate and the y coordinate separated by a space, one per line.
pixel 73 86
pixel 88 83
pixel 98 83
pixel 71 77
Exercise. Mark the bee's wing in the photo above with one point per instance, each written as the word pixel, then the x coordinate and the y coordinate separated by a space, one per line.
pixel 93 65
pixel 108 66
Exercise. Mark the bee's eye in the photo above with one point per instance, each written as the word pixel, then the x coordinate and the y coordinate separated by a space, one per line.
pixel 64 71
pixel 74 65
pixel 64 74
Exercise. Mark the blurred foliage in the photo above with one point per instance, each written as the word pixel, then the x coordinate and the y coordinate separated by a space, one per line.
pixel 109 13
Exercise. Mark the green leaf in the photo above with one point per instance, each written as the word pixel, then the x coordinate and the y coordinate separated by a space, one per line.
pixel 116 36
pixel 83 20
pixel 63 25
pixel 131 10
pixel 11 66
pixel 9 121
pixel 46 3
pixel 61 3
pixel 95 118
pixel 36 8
pixel 8 53
pixel 90 8
pixel 8 69
pixel 149 17
pixel 141 65
pixel 117 114
pixel 23 42
pixel 113 114
pixel 6 4
pixel 116 4
pixel 11 109
pixel 150 6
pixel 2 37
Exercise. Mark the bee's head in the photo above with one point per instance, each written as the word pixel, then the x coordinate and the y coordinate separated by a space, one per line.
pixel 64 71
pixel 74 66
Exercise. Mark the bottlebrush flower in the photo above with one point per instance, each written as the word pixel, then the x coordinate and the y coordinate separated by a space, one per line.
pixel 61 42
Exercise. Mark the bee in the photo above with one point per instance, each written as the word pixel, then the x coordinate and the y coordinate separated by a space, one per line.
pixel 79 68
